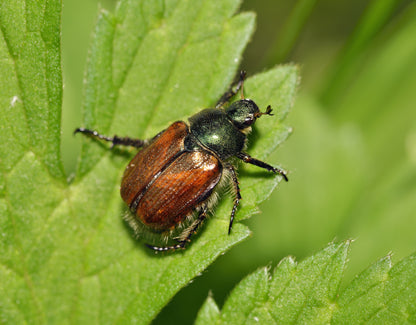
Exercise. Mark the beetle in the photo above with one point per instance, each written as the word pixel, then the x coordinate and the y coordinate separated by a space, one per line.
pixel 172 182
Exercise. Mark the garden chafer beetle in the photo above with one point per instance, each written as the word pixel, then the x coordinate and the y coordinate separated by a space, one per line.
pixel 171 183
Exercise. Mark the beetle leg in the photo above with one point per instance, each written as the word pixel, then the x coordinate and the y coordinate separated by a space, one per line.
pixel 115 141
pixel 231 92
pixel 237 195
pixel 250 160
pixel 186 235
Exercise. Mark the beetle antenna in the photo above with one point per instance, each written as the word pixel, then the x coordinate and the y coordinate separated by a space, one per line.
pixel 267 112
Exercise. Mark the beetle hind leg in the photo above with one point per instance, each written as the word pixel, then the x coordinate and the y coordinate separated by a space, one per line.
pixel 185 236
pixel 115 140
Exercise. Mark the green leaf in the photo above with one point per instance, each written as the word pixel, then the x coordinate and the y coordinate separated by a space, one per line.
pixel 66 253
pixel 209 312
pixel 31 83
pixel 308 293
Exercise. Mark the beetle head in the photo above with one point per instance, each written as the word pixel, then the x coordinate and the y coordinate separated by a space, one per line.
pixel 243 113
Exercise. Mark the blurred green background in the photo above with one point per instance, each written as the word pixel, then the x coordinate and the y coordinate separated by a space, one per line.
pixel 352 155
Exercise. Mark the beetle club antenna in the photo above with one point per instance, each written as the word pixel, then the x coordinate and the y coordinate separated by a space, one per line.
pixel 267 112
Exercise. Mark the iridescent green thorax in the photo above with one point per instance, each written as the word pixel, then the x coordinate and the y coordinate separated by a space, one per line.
pixel 215 131
pixel 223 131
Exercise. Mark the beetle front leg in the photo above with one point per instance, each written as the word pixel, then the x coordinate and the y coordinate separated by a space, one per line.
pixel 237 195
pixel 115 141
pixel 231 92
pixel 250 160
